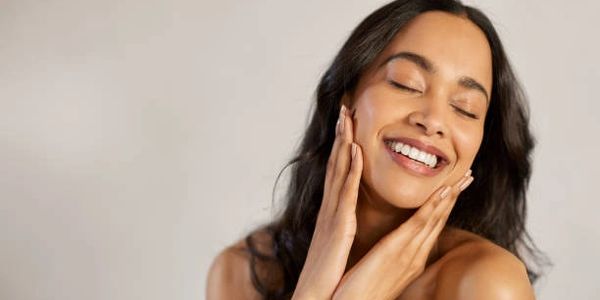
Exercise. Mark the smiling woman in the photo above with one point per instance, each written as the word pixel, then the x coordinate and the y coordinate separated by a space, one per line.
pixel 410 182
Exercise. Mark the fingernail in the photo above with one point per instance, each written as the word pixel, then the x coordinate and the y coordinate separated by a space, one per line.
pixel 353 150
pixel 342 118
pixel 445 192
pixel 468 173
pixel 466 184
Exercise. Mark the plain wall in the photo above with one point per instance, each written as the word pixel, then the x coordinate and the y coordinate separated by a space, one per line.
pixel 138 138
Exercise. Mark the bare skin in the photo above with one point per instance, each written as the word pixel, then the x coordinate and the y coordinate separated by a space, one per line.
pixel 463 255
pixel 381 232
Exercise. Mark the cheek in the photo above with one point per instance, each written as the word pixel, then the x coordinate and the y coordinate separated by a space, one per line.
pixel 374 111
pixel 367 119
pixel 370 118
pixel 467 142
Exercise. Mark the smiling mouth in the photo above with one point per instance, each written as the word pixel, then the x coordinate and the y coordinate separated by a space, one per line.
pixel 430 160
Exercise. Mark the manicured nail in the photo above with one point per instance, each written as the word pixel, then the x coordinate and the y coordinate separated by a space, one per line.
pixel 445 192
pixel 466 184
pixel 342 118
pixel 353 150
pixel 468 173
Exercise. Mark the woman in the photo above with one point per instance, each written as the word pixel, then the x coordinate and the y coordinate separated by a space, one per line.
pixel 419 107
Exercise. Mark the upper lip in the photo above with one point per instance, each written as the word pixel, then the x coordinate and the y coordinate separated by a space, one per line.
pixel 427 147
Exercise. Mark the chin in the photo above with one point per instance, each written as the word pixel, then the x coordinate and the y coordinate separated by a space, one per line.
pixel 399 188
pixel 407 195
pixel 404 192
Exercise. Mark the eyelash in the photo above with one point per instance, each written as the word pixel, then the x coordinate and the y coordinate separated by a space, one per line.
pixel 462 111
pixel 403 87
pixel 466 113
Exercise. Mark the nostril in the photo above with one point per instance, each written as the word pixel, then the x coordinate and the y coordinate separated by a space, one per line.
pixel 430 130
pixel 430 123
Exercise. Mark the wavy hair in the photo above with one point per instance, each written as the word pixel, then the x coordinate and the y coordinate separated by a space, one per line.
pixel 494 206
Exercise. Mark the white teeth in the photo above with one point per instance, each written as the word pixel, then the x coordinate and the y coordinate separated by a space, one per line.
pixel 423 157
pixel 414 153
pixel 405 149
pixel 427 158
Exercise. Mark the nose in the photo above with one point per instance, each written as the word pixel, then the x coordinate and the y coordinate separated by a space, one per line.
pixel 430 120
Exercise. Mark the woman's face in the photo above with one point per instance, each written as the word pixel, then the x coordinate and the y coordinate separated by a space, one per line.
pixel 426 93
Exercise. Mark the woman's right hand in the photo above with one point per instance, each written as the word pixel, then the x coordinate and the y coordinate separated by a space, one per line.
pixel 336 222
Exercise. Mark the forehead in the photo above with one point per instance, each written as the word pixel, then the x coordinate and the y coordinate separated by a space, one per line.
pixel 454 45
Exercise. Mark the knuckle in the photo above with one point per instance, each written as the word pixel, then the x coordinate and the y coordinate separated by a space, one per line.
pixel 416 268
pixel 344 143
pixel 455 191
pixel 420 268
pixel 336 163
pixel 455 194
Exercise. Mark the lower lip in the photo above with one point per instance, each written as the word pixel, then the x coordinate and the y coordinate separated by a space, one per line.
pixel 411 165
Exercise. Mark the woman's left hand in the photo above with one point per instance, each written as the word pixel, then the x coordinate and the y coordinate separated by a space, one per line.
pixel 400 256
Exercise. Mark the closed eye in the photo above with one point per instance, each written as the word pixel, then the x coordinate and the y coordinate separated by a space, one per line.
pixel 464 112
pixel 403 87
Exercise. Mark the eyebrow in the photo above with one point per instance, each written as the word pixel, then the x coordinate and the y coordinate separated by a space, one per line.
pixel 426 65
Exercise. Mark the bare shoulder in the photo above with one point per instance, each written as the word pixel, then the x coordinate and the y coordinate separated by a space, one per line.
pixel 229 276
pixel 480 269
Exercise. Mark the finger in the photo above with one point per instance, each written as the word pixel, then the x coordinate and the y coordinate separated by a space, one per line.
pixel 412 232
pixel 401 236
pixel 339 162
pixel 330 201
pixel 424 213
pixel 349 193
pixel 431 216
pixel 423 253
pixel 429 242
pixel 343 161
pixel 466 184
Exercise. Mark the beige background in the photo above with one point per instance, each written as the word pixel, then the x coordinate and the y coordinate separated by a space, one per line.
pixel 140 137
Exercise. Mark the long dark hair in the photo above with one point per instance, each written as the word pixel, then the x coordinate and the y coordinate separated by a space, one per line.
pixel 494 206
